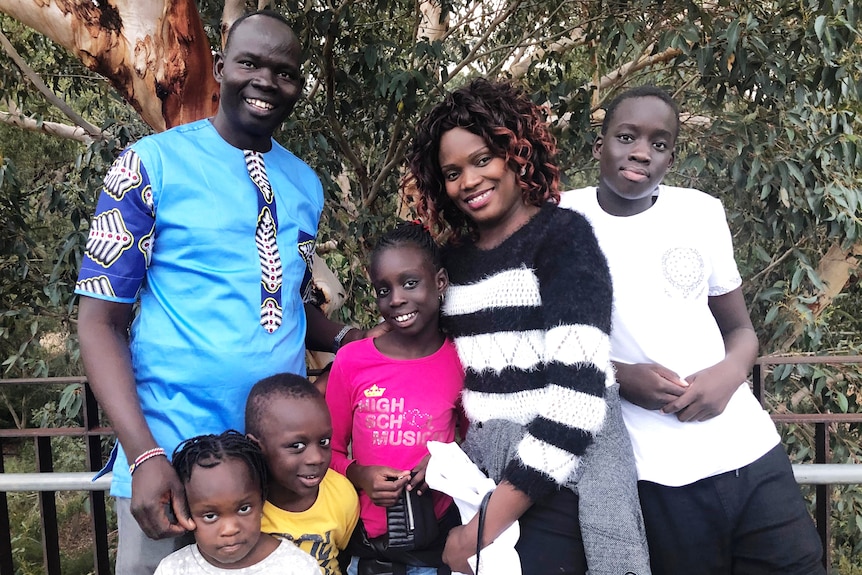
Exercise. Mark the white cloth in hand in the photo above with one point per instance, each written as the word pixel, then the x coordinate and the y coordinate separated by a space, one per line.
pixel 450 471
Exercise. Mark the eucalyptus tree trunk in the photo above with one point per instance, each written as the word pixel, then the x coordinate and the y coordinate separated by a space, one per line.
pixel 156 55
pixel 154 52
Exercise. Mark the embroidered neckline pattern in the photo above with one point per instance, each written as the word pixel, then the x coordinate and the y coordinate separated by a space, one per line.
pixel 267 246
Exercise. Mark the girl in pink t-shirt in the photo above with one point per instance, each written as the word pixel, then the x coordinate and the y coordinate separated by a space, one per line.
pixel 390 395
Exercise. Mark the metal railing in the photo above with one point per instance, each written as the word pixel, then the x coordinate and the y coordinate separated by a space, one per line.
pixel 46 482
pixel 850 473
pixel 91 432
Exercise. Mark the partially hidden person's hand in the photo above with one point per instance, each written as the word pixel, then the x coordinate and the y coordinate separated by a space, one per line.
pixel 649 385
pixel 321 382
pixel 708 394
pixel 460 545
pixel 382 484
pixel 156 489
pixel 417 477
pixel 378 330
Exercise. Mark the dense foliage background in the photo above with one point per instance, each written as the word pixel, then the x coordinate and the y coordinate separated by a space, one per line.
pixel 770 93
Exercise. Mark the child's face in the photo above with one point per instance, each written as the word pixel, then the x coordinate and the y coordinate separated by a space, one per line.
pixel 481 184
pixel 408 290
pixel 634 154
pixel 295 437
pixel 226 505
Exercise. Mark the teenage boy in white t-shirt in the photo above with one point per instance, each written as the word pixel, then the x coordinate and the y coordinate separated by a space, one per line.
pixel 716 486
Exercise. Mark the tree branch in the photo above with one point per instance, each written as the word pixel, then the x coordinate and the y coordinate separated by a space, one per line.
pixel 422 27
pixel 431 24
pixel 776 261
pixel 620 74
pixel 30 74
pixel 502 17
pixel 465 17
pixel 66 131
pixel 337 131
pixel 562 44
pixel 835 269
pixel 19 424
pixel 393 163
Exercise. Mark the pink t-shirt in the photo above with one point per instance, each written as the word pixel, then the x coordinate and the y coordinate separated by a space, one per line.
pixel 389 408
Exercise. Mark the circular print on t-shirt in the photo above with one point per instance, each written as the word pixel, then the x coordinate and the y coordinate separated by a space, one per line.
pixel 683 270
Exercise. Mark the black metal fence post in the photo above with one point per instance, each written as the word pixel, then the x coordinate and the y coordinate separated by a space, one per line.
pixel 48 508
pixel 7 567
pixel 98 508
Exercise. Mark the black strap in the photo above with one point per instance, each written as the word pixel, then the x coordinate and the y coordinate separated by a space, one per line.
pixel 483 507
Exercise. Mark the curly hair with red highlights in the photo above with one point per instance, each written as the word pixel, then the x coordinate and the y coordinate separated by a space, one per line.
pixel 513 127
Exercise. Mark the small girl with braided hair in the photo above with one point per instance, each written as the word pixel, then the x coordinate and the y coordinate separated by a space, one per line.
pixel 390 395
pixel 529 310
pixel 225 479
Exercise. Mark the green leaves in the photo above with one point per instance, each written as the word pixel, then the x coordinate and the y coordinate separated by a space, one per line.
pixel 777 84
pixel 770 95
pixel 71 400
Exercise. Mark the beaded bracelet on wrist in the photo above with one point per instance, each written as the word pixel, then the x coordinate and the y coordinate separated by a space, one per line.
pixel 146 455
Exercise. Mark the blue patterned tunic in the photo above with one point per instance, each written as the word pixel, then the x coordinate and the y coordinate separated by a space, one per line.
pixel 216 244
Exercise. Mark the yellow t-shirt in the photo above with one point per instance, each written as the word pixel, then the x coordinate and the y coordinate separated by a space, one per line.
pixel 325 528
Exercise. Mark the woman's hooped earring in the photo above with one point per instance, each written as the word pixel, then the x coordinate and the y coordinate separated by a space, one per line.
pixel 442 298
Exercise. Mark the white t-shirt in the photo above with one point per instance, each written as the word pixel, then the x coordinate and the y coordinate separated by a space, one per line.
pixel 287 559
pixel 665 262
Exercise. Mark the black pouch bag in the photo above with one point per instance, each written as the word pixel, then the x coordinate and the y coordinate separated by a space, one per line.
pixel 377 557
pixel 411 522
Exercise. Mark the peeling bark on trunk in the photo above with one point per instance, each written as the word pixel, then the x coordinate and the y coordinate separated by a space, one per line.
pixel 154 52
pixel 834 269
pixel 433 25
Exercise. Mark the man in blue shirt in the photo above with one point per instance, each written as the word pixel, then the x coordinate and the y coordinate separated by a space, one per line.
pixel 211 226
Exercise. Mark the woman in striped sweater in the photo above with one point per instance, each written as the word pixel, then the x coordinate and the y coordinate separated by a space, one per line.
pixel 529 309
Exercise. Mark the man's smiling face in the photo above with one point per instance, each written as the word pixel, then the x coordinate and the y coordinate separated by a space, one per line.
pixel 260 80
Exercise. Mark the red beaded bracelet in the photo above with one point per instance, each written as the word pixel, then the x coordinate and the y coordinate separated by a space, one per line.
pixel 148 454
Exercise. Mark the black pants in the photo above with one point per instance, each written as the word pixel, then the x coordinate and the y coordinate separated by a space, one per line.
pixel 751 521
pixel 550 540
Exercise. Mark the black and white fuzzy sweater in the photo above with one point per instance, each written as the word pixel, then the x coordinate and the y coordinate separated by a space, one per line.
pixel 531 320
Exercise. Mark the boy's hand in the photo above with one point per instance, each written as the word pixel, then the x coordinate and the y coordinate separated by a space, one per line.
pixel 155 489
pixel 417 477
pixel 649 385
pixel 382 484
pixel 708 394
